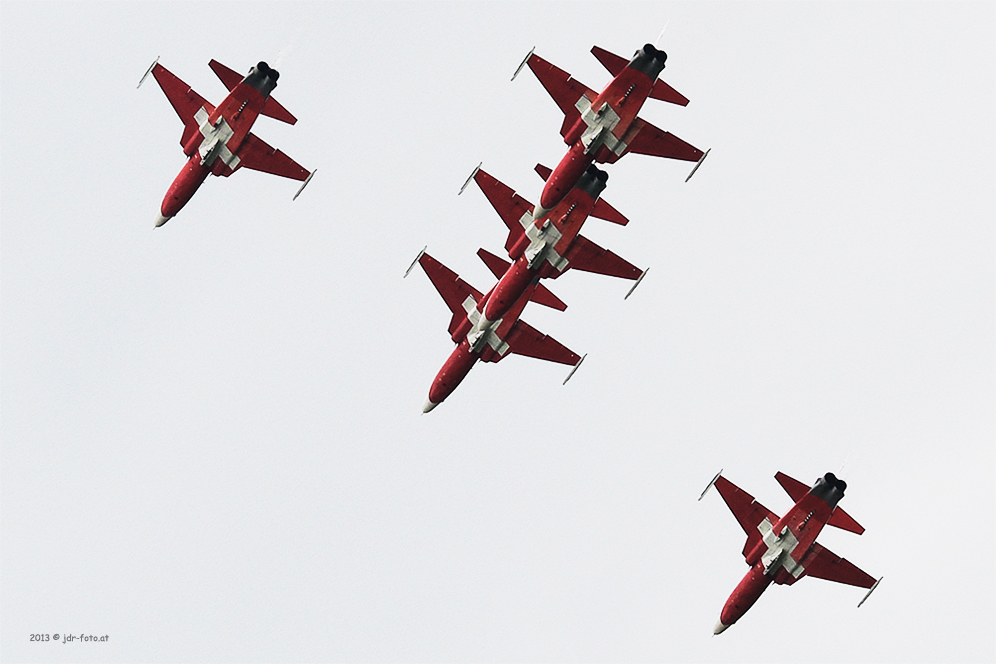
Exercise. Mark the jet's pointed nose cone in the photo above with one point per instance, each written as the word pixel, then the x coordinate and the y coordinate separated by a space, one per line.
pixel 720 628
pixel 160 220
pixel 428 405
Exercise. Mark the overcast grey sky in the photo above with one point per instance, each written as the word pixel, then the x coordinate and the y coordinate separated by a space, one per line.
pixel 212 441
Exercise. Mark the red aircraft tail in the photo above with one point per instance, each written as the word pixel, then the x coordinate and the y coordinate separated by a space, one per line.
pixel 661 90
pixel 840 519
pixel 602 209
pixel 541 294
pixel 271 108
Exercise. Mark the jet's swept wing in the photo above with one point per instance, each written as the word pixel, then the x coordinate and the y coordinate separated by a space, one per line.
pixel 565 90
pixel 184 100
pixel 271 108
pixel 454 290
pixel 514 210
pixel 528 341
pixel 541 294
pixel 840 519
pixel 661 90
pixel 748 512
pixel 824 564
pixel 258 156
pixel 644 138
pixel 602 209
pixel 587 256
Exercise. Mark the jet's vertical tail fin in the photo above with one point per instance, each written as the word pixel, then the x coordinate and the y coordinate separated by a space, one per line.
pixel 840 519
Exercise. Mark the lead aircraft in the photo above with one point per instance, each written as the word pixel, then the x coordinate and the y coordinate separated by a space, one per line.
pixel 783 550
pixel 216 138
pixel 603 127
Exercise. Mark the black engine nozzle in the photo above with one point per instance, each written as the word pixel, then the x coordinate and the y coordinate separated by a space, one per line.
pixel 649 60
pixel 263 78
pixel 829 489
pixel 593 181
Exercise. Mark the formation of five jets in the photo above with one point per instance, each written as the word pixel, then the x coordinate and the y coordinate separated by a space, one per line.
pixel 544 242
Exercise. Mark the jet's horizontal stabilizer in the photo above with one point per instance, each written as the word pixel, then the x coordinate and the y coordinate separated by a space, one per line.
pixel 271 107
pixel 665 92
pixel 601 210
pixel 840 519
pixel 616 64
pixel 541 294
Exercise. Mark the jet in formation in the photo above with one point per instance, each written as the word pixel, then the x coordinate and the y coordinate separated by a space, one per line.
pixel 783 550
pixel 217 140
pixel 487 326
pixel 603 127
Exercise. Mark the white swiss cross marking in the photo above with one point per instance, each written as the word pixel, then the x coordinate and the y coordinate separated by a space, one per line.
pixel 600 125
pixel 215 143
pixel 780 548
pixel 482 333
pixel 541 243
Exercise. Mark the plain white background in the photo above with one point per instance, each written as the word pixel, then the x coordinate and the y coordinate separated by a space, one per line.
pixel 213 448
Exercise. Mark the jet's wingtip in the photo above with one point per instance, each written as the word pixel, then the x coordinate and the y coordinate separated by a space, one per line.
pixel 427 406
pixel 160 220
pixel 719 628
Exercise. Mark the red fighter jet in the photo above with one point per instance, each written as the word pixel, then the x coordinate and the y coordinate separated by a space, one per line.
pixel 785 550
pixel 604 127
pixel 490 343
pixel 217 139
pixel 550 245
